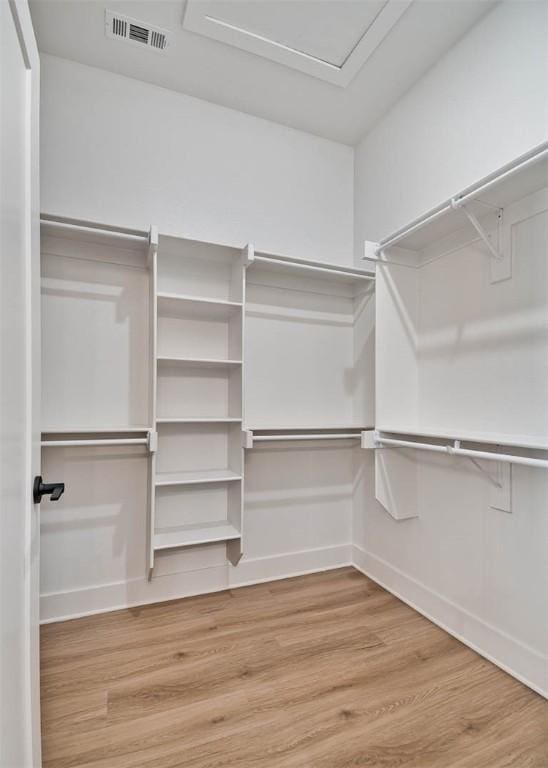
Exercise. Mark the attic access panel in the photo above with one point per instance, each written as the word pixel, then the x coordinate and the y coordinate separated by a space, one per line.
pixel 330 40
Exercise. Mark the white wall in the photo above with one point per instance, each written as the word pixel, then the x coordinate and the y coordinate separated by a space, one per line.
pixel 121 151
pixel 480 107
pixel 474 569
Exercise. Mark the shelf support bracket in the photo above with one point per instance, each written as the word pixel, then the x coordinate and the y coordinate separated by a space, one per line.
pixel 234 551
pixel 495 253
pixel 487 474
pixel 152 441
pixel 369 439
pixel 248 254
pixel 247 438
pixel 152 243
pixel 372 251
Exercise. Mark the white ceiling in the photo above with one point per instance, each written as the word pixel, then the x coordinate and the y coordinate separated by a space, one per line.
pixel 223 74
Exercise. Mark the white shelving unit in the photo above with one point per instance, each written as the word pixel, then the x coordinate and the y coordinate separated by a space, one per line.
pixel 178 400
pixel 461 344
pixel 198 478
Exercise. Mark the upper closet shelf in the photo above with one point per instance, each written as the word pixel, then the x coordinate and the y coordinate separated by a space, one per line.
pixel 95 430
pixel 472 215
pixel 285 264
pixel 301 427
pixel 103 234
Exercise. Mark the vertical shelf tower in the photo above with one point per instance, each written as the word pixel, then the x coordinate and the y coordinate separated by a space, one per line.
pixel 198 470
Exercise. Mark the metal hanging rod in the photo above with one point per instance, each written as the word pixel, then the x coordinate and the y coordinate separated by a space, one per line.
pixel 286 262
pixel 458 200
pixel 416 224
pixel 131 235
pixel 97 441
pixel 334 436
pixel 150 441
pixel 456 450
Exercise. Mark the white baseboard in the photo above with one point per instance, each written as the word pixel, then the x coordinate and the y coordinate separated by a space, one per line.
pixel 60 606
pixel 519 660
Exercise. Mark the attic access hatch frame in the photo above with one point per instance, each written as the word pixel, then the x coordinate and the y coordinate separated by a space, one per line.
pixel 200 18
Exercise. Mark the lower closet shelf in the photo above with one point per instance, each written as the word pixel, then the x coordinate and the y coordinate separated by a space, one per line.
pixel 201 476
pixel 190 535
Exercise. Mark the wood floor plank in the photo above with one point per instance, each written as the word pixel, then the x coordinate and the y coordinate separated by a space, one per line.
pixel 326 670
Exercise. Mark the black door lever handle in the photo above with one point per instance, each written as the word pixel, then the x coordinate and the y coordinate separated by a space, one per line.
pixel 40 489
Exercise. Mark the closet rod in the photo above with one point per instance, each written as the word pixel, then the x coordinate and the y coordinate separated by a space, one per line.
pixel 455 449
pixel 117 233
pixel 355 274
pixel 517 165
pixel 335 436
pixel 109 441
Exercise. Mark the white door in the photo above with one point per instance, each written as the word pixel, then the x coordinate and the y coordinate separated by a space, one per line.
pixel 19 389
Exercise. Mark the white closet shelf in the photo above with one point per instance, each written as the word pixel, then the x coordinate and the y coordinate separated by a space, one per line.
pixel 79 430
pixel 377 440
pixel 197 362
pixel 191 535
pixel 94 232
pixel 200 420
pixel 275 263
pixel 488 438
pixel 183 305
pixel 522 177
pixel 317 427
pixel 196 477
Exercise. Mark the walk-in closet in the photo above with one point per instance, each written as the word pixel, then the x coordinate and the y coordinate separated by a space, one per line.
pixel 273 378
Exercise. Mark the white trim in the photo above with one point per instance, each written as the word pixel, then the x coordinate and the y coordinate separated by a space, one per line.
pixel 103 598
pixel 25 742
pixel 517 659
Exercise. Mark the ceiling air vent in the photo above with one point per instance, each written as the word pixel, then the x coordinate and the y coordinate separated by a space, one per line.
pixel 136 32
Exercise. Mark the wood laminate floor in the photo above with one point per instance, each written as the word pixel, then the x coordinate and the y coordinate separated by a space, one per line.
pixel 321 671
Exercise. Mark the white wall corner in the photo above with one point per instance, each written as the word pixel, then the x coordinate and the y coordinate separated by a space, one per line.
pixel 517 659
